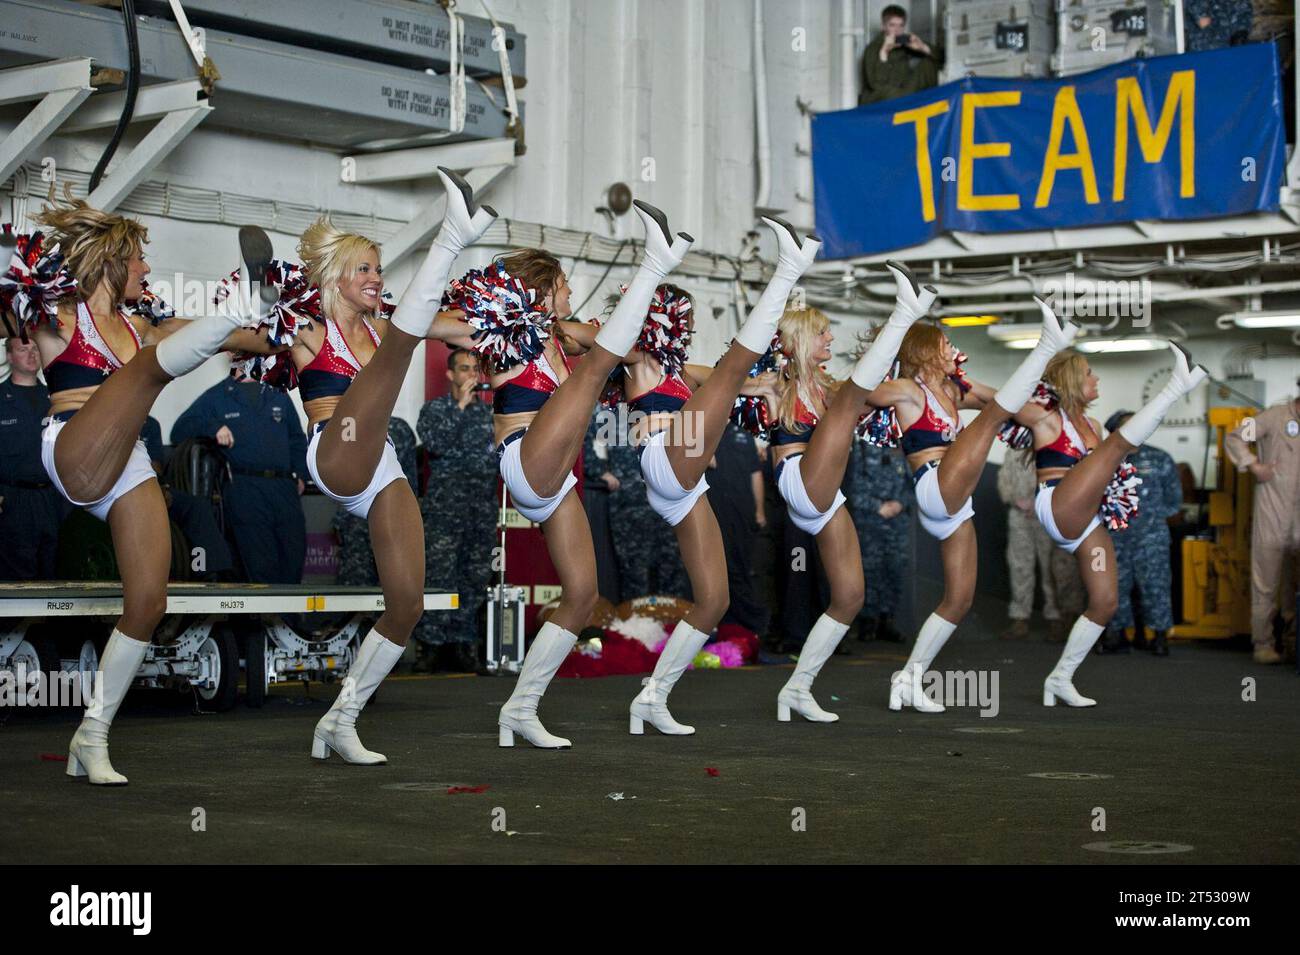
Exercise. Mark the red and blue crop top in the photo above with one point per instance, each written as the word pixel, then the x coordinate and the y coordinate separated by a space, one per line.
pixel 1067 450
pixel 88 359
pixel 802 415
pixel 332 368
pixel 528 390
pixel 667 396
pixel 934 429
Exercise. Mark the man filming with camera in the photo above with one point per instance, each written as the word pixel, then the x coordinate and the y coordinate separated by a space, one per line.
pixel 897 62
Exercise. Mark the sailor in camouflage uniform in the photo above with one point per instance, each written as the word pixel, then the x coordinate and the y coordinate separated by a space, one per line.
pixel 460 509
pixel 1142 552
pixel 876 481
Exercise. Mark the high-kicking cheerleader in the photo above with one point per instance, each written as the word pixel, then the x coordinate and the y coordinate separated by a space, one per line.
pixel 542 410
pixel 946 460
pixel 1075 472
pixel 350 368
pixel 106 360
pixel 676 439
pixel 815 420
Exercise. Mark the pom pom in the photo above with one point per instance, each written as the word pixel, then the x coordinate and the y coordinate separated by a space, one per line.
pixel 1019 437
pixel 1119 502
pixel 509 329
pixel 750 412
pixel 958 377
pixel 297 305
pixel 879 427
pixel 35 282
pixel 667 331
pixel 148 306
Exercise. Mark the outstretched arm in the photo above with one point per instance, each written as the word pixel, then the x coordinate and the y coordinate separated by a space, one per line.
pixel 895 392
pixel 1031 415
pixel 450 327
pixel 977 396
pixel 578 338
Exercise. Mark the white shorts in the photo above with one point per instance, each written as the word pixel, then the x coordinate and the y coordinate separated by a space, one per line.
pixel 802 512
pixel 388 471
pixel 935 518
pixel 138 470
pixel 527 501
pixel 1043 508
pixel 667 497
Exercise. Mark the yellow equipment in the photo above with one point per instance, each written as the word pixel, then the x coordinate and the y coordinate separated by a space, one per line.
pixel 1216 573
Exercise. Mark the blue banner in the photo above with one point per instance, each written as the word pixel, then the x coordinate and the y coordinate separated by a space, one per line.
pixel 1194 136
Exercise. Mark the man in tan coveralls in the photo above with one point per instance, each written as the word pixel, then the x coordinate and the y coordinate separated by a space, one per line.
pixel 1275 528
pixel 1028 546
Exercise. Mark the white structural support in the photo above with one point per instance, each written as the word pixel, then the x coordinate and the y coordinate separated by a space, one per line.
pixel 485 162
pixel 60 85
pixel 178 107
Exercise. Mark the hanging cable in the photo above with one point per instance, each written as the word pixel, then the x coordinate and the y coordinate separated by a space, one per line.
pixel 132 87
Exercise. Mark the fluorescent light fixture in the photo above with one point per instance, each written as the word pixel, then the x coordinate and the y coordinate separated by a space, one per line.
pixel 968 321
pixel 1111 345
pixel 1263 319
pixel 1021 344
pixel 1009 335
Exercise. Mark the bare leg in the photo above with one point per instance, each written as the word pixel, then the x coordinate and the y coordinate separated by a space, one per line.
pixel 142 543
pixel 708 410
pixel 353 441
pixel 1077 498
pixel 837 543
pixel 827 456
pixel 841 555
pixel 960 556
pixel 141 540
pixel 963 463
pixel 553 441
pixel 700 542
pixel 95 444
pixel 1096 559
pixel 568 540
pixel 397 537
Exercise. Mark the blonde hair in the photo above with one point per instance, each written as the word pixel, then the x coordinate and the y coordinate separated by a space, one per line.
pixel 96 246
pixel 331 256
pixel 921 352
pixel 1067 373
pixel 799 330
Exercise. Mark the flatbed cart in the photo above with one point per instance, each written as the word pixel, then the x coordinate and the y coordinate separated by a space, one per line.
pixel 195 645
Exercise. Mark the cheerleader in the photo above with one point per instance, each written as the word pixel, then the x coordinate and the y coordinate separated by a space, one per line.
pixel 1079 476
pixel 682 411
pixel 946 459
pixel 809 420
pixel 108 348
pixel 349 367
pixel 517 309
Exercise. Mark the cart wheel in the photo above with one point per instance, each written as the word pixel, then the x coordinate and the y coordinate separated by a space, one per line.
pixel 223 655
pixel 87 666
pixel 255 670
pixel 35 653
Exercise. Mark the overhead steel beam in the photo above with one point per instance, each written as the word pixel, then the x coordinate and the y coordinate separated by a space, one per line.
pixel 424 161
pixel 152 102
pixel 150 151
pixel 61 86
